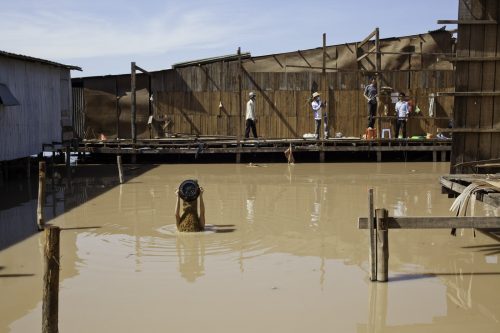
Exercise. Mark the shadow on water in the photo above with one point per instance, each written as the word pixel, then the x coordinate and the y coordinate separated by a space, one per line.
pixel 410 277
pixel 18 207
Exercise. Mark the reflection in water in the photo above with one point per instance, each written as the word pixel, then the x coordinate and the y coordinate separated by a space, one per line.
pixel 191 253
pixel 282 254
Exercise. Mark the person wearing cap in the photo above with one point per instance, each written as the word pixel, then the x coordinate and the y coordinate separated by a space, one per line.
pixel 317 105
pixel 250 116
pixel 190 221
pixel 370 94
pixel 402 111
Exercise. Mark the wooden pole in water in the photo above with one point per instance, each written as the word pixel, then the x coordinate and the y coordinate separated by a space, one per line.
pixel 133 102
pixel 372 259
pixel 382 245
pixel 68 162
pixel 120 170
pixel 240 108
pixel 41 195
pixel 50 307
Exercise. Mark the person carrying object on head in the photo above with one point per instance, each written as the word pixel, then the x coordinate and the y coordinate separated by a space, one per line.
pixel 250 116
pixel 317 105
pixel 370 94
pixel 190 221
pixel 402 111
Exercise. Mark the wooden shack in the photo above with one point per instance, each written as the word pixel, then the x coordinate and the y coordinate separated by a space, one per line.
pixel 35 104
pixel 208 96
pixel 476 132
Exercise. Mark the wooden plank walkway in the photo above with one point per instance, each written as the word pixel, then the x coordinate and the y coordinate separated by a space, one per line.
pixel 216 145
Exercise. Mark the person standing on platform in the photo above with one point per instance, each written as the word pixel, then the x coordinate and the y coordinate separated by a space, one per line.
pixel 250 116
pixel 402 112
pixel 371 96
pixel 317 105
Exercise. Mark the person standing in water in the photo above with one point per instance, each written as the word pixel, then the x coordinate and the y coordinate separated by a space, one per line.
pixel 190 221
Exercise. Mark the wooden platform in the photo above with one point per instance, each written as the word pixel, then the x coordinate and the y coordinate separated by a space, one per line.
pixel 456 184
pixel 216 145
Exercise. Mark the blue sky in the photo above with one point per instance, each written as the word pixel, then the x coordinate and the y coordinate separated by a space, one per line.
pixel 104 36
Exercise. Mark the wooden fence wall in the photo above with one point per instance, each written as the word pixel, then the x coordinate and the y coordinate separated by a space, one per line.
pixel 477 100
pixel 191 98
pixel 204 100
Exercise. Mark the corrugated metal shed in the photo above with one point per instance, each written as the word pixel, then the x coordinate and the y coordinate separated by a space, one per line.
pixel 42 89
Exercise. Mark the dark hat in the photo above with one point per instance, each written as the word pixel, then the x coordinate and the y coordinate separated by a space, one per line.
pixel 189 190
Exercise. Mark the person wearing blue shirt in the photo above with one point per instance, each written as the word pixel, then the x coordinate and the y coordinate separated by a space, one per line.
pixel 402 111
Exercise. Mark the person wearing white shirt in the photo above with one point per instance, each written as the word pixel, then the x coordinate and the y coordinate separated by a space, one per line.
pixel 402 111
pixel 317 105
pixel 250 116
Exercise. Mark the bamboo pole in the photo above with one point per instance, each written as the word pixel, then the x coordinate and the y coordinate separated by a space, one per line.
pixel 50 306
pixel 120 170
pixel 41 195
pixel 382 245
pixel 373 238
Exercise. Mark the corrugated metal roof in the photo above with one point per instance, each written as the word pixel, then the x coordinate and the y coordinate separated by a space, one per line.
pixel 230 57
pixel 42 61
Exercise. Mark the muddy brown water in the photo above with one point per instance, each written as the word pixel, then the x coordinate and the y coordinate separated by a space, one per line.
pixel 282 253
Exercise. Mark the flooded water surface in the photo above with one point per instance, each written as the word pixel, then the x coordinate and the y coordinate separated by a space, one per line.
pixel 281 253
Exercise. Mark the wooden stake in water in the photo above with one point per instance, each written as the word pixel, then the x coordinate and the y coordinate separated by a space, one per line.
pixel 120 170
pixel 373 238
pixel 382 245
pixel 50 306
pixel 41 195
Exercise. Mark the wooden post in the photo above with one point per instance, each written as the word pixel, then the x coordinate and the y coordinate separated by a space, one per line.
pixel 133 103
pixel 326 116
pixel 382 245
pixel 120 170
pixel 372 259
pixel 434 156
pixel 68 161
pixel 240 101
pixel 41 195
pixel 443 156
pixel 240 107
pixel 50 306
pixel 379 156
pixel 378 65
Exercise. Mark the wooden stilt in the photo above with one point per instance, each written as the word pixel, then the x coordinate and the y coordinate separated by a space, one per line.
pixel 434 156
pixel 120 170
pixel 443 156
pixel 382 245
pixel 379 156
pixel 50 306
pixel 41 195
pixel 372 258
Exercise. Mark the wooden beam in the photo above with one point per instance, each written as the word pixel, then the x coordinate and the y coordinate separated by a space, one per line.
pixel 367 54
pixel 457 59
pixel 433 222
pixel 469 93
pixel 468 130
pixel 466 22
pixel 370 36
